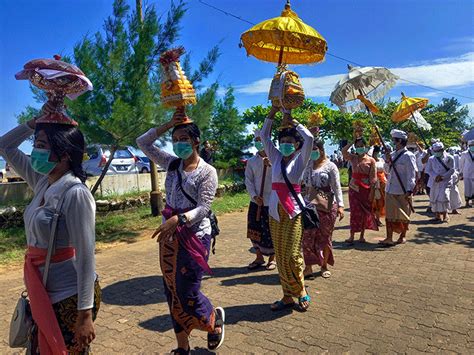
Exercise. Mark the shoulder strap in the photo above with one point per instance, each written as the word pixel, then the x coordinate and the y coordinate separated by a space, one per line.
pixel 53 233
pixel 398 157
pixel 174 166
pixel 290 185
pixel 442 163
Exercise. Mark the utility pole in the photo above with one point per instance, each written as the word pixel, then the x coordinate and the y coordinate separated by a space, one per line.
pixel 155 194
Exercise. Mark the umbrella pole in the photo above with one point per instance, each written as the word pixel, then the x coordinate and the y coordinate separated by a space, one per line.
pixel 386 149
pixel 280 58
pixel 419 130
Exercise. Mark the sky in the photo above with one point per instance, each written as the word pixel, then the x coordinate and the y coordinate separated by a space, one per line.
pixel 430 42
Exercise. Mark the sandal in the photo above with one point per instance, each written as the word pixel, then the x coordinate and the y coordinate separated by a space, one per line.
pixel 255 265
pixel 300 306
pixel 309 277
pixel 326 274
pixel 349 241
pixel 280 306
pixel 386 244
pixel 181 351
pixel 271 265
pixel 215 340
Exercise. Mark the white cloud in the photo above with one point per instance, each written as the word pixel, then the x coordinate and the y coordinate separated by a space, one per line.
pixel 470 106
pixel 440 73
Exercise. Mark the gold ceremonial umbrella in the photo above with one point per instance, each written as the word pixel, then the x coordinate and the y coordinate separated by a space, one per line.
pixel 406 109
pixel 285 39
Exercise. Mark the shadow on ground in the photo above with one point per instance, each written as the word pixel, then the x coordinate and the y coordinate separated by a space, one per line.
pixel 445 234
pixel 255 313
pixel 138 291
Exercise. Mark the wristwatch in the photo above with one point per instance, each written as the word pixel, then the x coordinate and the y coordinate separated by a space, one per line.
pixel 182 220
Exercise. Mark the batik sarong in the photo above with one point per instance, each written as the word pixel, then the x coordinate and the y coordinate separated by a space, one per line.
pixel 317 239
pixel 397 213
pixel 259 231
pixel 360 204
pixel 183 261
pixel 287 236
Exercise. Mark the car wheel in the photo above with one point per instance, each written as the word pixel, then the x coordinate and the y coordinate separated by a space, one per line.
pixel 144 171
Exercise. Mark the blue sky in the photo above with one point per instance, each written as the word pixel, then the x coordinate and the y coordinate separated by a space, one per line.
pixel 426 41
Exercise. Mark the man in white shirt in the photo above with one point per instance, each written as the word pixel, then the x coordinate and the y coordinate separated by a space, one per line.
pixel 398 193
pixel 258 181
pixel 466 168
pixel 440 168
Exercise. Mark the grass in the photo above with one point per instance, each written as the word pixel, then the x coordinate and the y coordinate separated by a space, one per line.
pixel 123 226
pixel 344 176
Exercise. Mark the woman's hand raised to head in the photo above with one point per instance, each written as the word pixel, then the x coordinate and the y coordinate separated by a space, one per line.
pixel 31 123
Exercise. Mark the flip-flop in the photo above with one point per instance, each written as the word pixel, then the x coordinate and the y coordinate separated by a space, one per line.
pixel 271 265
pixel 386 244
pixel 255 265
pixel 299 307
pixel 326 274
pixel 280 306
pixel 215 340
pixel 309 277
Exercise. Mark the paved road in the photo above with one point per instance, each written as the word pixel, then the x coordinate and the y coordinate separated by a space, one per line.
pixel 413 298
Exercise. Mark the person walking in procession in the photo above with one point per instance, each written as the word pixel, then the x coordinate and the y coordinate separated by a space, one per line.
pixel 440 167
pixel 399 192
pixel 290 161
pixel 258 181
pixel 361 190
pixel 378 205
pixel 322 187
pixel 466 167
pixel 185 234
pixel 65 308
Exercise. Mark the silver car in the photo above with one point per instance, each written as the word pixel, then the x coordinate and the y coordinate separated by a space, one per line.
pixel 124 161
pixel 143 165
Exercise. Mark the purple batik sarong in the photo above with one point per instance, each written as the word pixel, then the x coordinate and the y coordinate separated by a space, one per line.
pixel 183 261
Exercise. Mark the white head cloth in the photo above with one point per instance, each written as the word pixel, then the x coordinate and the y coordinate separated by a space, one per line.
pixel 437 146
pixel 396 133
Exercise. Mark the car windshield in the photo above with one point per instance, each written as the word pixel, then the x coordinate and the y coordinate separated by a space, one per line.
pixel 120 154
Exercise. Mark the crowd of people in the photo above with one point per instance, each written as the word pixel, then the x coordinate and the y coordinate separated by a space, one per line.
pixel 287 185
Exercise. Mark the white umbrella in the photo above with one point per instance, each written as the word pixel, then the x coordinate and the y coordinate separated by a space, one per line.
pixel 371 82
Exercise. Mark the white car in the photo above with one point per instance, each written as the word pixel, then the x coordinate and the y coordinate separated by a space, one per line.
pixel 124 161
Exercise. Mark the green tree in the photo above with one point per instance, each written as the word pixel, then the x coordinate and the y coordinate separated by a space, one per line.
pixel 227 128
pixel 448 119
pixel 122 63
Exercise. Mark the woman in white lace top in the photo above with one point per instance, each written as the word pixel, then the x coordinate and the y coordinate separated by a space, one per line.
pixel 185 234
pixel 321 176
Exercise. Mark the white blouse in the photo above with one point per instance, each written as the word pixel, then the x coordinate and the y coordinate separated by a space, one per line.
pixel 76 225
pixel 327 175
pixel 295 167
pixel 200 184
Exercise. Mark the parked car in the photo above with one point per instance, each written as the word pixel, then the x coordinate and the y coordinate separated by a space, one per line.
pixel 124 161
pixel 143 165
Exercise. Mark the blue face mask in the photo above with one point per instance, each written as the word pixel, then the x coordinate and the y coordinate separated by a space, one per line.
pixel 287 149
pixel 40 161
pixel 315 155
pixel 259 146
pixel 471 148
pixel 183 149
pixel 438 154
pixel 361 150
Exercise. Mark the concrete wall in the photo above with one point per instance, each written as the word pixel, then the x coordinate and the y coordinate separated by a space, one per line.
pixel 19 192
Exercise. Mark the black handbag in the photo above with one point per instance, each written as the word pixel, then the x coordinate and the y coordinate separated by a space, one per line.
pixel 215 231
pixel 309 213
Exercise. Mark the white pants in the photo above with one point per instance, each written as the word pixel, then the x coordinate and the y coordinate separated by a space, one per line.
pixel 469 188
pixel 454 198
